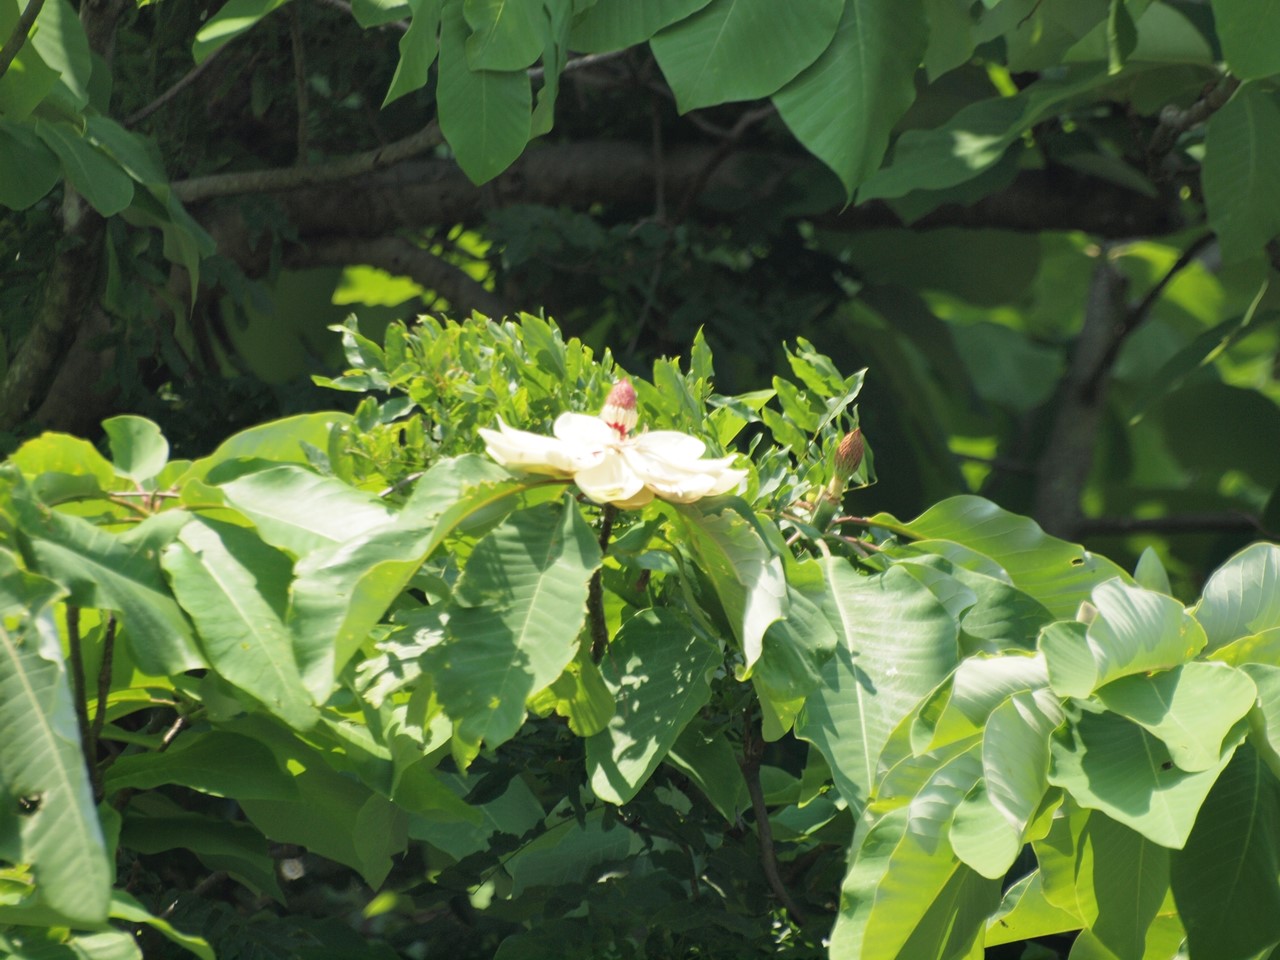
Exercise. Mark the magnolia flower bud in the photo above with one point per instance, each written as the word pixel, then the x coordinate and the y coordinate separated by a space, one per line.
pixel 849 454
pixel 619 410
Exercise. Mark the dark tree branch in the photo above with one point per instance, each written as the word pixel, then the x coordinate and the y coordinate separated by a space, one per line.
pixel 188 78
pixel 1068 454
pixel 21 30
pixel 752 753
pixel 1180 523
pixel 301 99
pixel 69 289
pixel 75 650
pixel 1174 122
pixel 295 178
pixel 595 589
pixel 104 678
pixel 402 258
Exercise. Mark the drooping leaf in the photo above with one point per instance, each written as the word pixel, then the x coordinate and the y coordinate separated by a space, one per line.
pixel 514 620
pixel 1055 573
pixel 1242 597
pixel 125 907
pixel 235 589
pixel 138 449
pixel 94 174
pixel 300 511
pixel 658 670
pixel 1108 763
pixel 897 643
pixel 235 17
pixel 1226 880
pixel 484 114
pixel 609 25
pixel 1191 708
pixel 117 573
pixel 218 763
pixel 742 49
pixel 418 48
pixel 1026 913
pixel 42 771
pixel 1135 631
pixel 505 34
pixel 567 849
pixel 1241 191
pixel 62 467
pixel 745 570
pixel 1244 30
pixel 843 106
pixel 28 168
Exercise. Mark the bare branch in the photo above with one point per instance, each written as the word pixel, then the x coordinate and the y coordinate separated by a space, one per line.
pixel 1143 307
pixel 1174 122
pixel 280 180
pixel 187 79
pixel 21 30
pixel 579 63
pixel 752 752
pixel 1228 522
pixel 402 258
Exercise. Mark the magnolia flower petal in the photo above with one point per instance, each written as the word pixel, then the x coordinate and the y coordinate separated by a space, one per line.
pixel 530 452
pixel 580 430
pixel 610 481
pixel 669 445
pixel 683 482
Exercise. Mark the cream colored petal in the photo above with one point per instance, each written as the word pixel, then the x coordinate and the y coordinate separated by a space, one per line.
pixel 530 452
pixel 610 481
pixel 669 445
pixel 583 431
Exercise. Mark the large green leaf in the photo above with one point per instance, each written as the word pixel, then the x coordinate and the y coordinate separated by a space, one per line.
pixel 61 42
pixel 567 849
pixel 906 893
pixel 979 685
pixel 744 569
pixel 1264 719
pixel 125 907
pixel 340 593
pixel 235 589
pixel 514 619
pixel 1135 631
pixel 1245 29
pixel 1111 878
pixel 138 448
pixel 42 771
pixel 797 647
pixel 1026 913
pixel 1108 763
pixel 283 440
pixel 216 762
pixel 609 25
pixel 1241 188
pixel 505 34
pixel 298 510
pixel 845 103
pixel 28 168
pixel 1055 573
pixel 235 17
pixel 659 671
pixel 484 114
pixel 708 759
pixel 1192 708
pixel 418 49
pixel 897 642
pixel 117 573
pixel 975 138
pixel 28 80
pixel 62 467
pixel 1242 597
pixel 742 49
pixel 1226 880
pixel 95 175
pixel 1015 754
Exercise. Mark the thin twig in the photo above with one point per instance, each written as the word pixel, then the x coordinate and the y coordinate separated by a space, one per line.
pixel 199 890
pixel 1139 312
pixel 1174 122
pixel 299 81
pixel 21 30
pixel 595 590
pixel 186 80
pixel 172 733
pixel 752 753
pixel 579 63
pixel 292 178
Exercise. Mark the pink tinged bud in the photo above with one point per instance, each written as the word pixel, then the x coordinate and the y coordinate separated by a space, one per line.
pixel 619 410
pixel 849 455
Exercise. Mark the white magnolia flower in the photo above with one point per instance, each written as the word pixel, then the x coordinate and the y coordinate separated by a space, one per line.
pixel 611 466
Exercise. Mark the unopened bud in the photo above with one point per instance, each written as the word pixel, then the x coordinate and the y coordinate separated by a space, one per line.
pixel 849 454
pixel 619 410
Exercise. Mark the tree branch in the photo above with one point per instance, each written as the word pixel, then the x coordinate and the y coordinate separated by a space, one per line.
pixel 278 180
pixel 752 753
pixel 595 589
pixel 69 288
pixel 301 98
pixel 1068 454
pixel 21 30
pixel 1228 522
pixel 402 258
pixel 188 78
pixel 1174 122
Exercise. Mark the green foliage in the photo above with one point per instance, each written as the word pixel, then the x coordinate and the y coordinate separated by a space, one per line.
pixel 385 653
